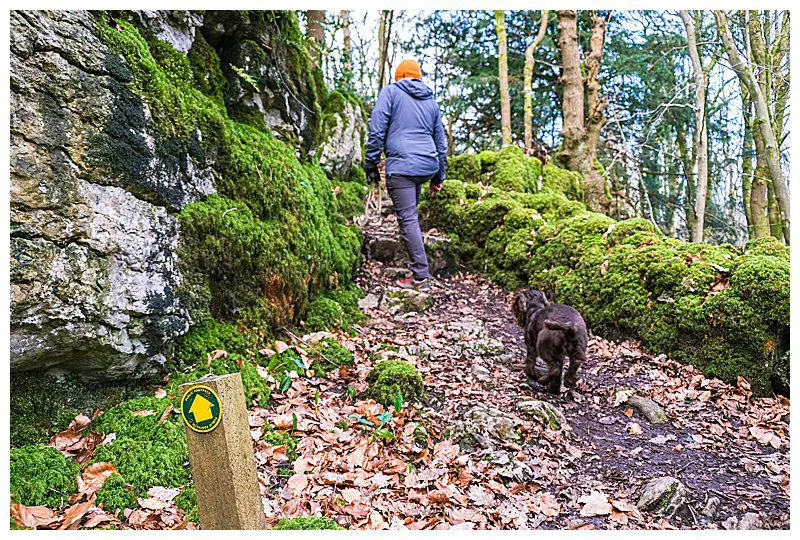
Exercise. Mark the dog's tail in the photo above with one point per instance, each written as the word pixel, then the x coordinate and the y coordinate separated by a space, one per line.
pixel 566 327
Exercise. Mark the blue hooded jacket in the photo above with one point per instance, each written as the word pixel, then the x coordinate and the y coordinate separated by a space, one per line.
pixel 407 124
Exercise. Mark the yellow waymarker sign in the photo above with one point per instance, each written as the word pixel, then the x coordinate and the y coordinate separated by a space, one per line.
pixel 201 409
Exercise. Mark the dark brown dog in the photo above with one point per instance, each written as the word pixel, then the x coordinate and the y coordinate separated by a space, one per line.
pixel 552 331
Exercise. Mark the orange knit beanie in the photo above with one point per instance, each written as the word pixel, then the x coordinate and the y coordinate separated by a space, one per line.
pixel 406 69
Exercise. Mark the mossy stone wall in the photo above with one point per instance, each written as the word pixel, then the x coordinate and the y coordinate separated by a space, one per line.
pixel 723 309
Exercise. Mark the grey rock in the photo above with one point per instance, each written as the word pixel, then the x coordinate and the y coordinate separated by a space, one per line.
pixel 548 413
pixel 407 300
pixel 175 27
pixel 711 507
pixel 512 468
pixel 481 427
pixel 341 148
pixel 663 496
pixel 649 408
pixel 370 301
pixel 750 522
pixel 481 373
pixel 94 275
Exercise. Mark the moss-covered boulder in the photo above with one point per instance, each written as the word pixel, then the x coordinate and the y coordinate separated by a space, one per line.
pixel 202 138
pixel 722 309
pixel 335 309
pixel 306 524
pixel 41 475
pixel 464 167
pixel 390 378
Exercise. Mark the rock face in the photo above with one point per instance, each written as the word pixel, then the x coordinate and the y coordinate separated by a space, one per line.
pixel 344 133
pixel 96 183
pixel 93 263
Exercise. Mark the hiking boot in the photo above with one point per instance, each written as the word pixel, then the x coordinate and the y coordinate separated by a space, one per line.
pixel 421 285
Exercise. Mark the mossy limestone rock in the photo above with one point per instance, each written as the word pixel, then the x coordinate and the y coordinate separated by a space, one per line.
pixel 407 300
pixel 390 378
pixel 482 427
pixel 343 134
pixel 545 411
pixel 663 496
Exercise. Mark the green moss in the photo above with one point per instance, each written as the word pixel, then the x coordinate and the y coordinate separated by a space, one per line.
pixel 147 463
pixel 723 311
pixel 280 438
pixel 210 335
pixel 767 246
pixel 335 309
pixel 116 494
pixel 274 234
pixel 763 281
pixel 392 377
pixel 43 404
pixel 350 198
pixel 464 168
pixel 563 181
pixel 255 386
pixel 335 355
pixel 187 501
pixel 511 172
pixel 41 475
pixel 133 420
pixel 488 159
pixel 306 524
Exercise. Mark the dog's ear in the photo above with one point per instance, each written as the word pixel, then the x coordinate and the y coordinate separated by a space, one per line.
pixel 545 301
pixel 520 307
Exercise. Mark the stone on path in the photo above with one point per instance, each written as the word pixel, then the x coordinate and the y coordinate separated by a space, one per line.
pixel 664 496
pixel 649 408
pixel 370 301
pixel 512 468
pixel 748 522
pixel 544 410
pixel 480 426
pixel 407 300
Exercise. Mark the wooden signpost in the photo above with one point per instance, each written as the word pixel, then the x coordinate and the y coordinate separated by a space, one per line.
pixel 221 453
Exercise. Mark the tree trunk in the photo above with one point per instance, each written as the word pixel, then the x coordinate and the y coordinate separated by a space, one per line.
pixel 315 32
pixel 572 83
pixel 582 135
pixel 384 33
pixel 347 61
pixel 687 162
pixel 758 189
pixel 528 81
pixel 700 127
pixel 774 214
pixel 764 122
pixel 502 76
pixel 747 168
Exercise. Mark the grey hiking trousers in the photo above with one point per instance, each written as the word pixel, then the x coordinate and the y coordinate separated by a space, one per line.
pixel 405 192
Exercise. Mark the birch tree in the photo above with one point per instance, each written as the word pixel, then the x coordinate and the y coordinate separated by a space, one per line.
pixel 502 76
pixel 764 127
pixel 530 50
pixel 700 127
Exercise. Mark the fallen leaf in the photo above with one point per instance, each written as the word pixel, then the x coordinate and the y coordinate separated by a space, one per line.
pixel 595 504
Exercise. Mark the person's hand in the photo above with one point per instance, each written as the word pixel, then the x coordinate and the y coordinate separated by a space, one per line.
pixel 373 176
pixel 435 188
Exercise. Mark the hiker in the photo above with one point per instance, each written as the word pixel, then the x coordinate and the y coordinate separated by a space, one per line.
pixel 407 124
